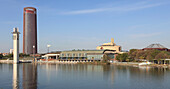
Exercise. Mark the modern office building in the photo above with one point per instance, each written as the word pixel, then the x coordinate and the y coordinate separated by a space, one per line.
pixel 30 30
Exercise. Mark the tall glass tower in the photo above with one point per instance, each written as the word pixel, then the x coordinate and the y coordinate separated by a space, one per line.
pixel 30 30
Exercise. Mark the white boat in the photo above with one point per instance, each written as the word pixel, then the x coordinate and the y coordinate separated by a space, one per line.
pixel 145 63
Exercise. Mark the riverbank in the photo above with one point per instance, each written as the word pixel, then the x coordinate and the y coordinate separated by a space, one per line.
pixel 6 61
pixel 11 61
pixel 136 64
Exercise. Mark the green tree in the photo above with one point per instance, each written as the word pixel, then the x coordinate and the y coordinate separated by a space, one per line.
pixel 105 58
pixel 149 57
pixel 132 54
pixel 161 55
pixel 122 57
pixel 132 50
pixel 23 55
pixel 118 57
pixel 140 55
pixel 9 56
pixel 1 56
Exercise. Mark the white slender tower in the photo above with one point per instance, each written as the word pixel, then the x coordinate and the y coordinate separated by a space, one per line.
pixel 15 45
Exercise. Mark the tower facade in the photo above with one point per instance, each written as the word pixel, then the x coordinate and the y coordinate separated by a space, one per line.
pixel 30 30
pixel 15 45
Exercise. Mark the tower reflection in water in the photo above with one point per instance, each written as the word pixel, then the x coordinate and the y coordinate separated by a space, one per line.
pixel 29 76
pixel 15 76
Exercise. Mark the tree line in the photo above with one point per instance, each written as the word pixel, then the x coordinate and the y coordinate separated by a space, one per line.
pixel 10 56
pixel 136 55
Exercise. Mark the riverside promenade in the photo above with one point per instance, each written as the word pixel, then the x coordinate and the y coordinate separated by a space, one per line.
pixel 133 64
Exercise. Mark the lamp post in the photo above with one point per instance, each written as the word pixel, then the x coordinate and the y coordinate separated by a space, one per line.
pixel 48 48
pixel 34 52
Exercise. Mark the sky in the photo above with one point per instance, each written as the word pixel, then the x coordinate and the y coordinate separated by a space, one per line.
pixel 86 24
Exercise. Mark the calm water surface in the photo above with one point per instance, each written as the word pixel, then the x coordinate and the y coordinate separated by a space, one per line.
pixel 77 76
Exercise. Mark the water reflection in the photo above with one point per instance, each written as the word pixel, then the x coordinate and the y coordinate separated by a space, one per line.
pixel 76 76
pixel 29 76
pixel 15 76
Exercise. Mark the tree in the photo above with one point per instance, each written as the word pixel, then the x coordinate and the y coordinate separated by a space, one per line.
pixel 1 56
pixel 132 54
pixel 123 57
pixel 9 56
pixel 140 55
pixel 23 55
pixel 132 50
pixel 118 57
pixel 161 55
pixel 105 58
pixel 149 57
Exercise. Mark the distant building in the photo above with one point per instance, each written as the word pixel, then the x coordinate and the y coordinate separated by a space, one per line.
pixel 156 47
pixel 109 50
pixel 11 51
pixel 51 55
pixel 5 54
pixel 109 46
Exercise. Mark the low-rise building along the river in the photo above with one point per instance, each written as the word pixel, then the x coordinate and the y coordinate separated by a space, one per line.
pixel 89 55
pixel 108 49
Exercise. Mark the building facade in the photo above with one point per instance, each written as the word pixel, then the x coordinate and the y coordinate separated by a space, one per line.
pixel 88 55
pixel 81 54
pixel 107 51
pixel 109 46
pixel 30 30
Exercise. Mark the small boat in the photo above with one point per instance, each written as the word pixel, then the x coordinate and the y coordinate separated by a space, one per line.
pixel 145 63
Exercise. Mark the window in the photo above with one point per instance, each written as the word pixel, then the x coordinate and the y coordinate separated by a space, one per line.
pixel 68 55
pixel 14 37
pixel 79 54
pixel 73 54
pixel 119 48
pixel 85 55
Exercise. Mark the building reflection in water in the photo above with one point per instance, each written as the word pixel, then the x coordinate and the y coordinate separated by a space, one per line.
pixel 29 76
pixel 103 72
pixel 58 74
pixel 15 76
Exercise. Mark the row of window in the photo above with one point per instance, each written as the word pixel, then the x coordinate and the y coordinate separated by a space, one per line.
pixel 89 57
pixel 73 54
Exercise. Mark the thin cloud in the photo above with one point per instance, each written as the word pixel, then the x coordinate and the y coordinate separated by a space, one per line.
pixel 87 11
pixel 145 35
pixel 116 9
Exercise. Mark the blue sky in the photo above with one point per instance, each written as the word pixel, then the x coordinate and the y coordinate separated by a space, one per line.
pixel 85 24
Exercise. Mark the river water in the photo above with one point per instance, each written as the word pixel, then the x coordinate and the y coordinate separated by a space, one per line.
pixel 78 76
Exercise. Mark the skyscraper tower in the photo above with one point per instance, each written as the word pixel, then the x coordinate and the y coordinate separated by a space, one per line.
pixel 30 30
